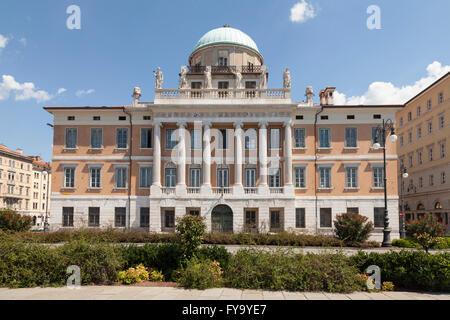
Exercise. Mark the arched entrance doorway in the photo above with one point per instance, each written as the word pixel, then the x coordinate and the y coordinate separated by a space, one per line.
pixel 222 219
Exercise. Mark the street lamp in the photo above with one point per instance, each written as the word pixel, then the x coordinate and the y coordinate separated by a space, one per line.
pixel 404 175
pixel 45 174
pixel 380 136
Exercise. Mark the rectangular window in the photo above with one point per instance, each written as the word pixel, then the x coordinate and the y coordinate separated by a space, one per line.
pixel 430 126
pixel 121 177
pixel 250 139
pixel 67 217
pixel 71 118
pixel 378 177
pixel 96 138
pixel 429 105
pixel 120 217
pixel 430 154
pixel 169 219
pixel 419 132
pixel 441 97
pixel 409 116
pixel 377 137
pixel 194 177
pixel 95 177
pixel 431 179
pixel 443 177
pixel 300 180
pixel 352 210
pixel 410 160
pixel 122 138
pixel 250 178
pixel 419 157
pixel 196 139
pixel 251 221
pixel 223 139
pixel 276 224
pixel 300 220
pixel 418 112
pixel 69 177
pixel 324 178
pixel 324 138
pixel 299 137
pixel 275 138
pixel 96 118
pixel 223 85
pixel 170 177
pixel 223 178
pixel 351 177
pixel 171 139
pixel 325 217
pixel 122 118
pixel 146 138
pixel 275 178
pixel 94 216
pixel 441 122
pixel 442 149
pixel 351 137
pixel 145 177
pixel 144 217
pixel 71 138
pixel 378 217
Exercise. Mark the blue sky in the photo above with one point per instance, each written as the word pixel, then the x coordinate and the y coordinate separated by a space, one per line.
pixel 324 43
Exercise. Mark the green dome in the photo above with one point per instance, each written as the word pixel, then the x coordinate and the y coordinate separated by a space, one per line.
pixel 226 35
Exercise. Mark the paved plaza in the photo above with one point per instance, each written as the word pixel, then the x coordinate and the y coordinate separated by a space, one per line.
pixel 170 293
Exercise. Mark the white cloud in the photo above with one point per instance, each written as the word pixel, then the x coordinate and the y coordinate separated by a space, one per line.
pixel 302 11
pixel 388 93
pixel 61 90
pixel 3 41
pixel 23 91
pixel 80 93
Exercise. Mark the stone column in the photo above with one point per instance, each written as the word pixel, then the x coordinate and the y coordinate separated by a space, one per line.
pixel 181 161
pixel 206 163
pixel 238 188
pixel 156 174
pixel 288 153
pixel 263 187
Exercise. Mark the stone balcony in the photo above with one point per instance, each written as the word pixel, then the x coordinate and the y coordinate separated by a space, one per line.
pixel 220 96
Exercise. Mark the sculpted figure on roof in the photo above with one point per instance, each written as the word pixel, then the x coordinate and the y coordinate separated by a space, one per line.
pixel 208 80
pixel 183 79
pixel 159 78
pixel 287 79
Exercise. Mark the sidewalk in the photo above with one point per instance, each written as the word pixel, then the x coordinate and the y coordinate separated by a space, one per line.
pixel 170 293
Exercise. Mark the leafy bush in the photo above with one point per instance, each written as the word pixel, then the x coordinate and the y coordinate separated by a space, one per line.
pixel 165 257
pixel 415 270
pixel 352 227
pixel 387 286
pixel 133 275
pixel 215 253
pixel 201 274
pixel 426 241
pixel 191 230
pixel 405 243
pixel 156 275
pixel 283 270
pixel 428 223
pixel 10 220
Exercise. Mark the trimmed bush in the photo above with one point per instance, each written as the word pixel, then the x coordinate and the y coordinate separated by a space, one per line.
pixel 215 253
pixel 415 270
pixel 201 274
pixel 10 220
pixel 352 227
pixel 283 270
pixel 191 230
pixel 134 275
pixel 427 224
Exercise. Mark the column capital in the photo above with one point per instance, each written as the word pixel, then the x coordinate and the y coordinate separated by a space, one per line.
pixel 207 124
pixel 181 124
pixel 287 123
pixel 263 124
pixel 157 124
pixel 238 124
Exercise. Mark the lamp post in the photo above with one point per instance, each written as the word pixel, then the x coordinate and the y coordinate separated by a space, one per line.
pixel 45 174
pixel 403 175
pixel 380 135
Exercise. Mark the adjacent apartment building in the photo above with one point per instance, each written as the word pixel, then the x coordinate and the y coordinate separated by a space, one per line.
pixel 223 146
pixel 24 184
pixel 423 149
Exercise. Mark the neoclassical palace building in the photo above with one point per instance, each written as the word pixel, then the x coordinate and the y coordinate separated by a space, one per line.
pixel 225 147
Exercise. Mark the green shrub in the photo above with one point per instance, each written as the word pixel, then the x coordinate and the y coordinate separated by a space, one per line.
pixel 415 270
pixel 191 230
pixel 215 253
pixel 10 220
pixel 352 227
pixel 165 257
pixel 387 286
pixel 283 270
pixel 405 243
pixel 428 223
pixel 201 274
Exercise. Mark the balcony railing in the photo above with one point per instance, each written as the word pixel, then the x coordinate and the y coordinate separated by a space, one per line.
pixel 251 190
pixel 225 69
pixel 168 94
pixel 168 190
pixel 221 190
pixel 192 190
pixel 276 190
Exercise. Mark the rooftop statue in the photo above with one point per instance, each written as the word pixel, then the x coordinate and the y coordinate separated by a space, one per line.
pixel 263 77
pixel 287 79
pixel 136 93
pixel 238 75
pixel 183 79
pixel 208 80
pixel 159 78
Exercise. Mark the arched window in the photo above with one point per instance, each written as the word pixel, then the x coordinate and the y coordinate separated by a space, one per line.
pixel 420 206
pixel 438 205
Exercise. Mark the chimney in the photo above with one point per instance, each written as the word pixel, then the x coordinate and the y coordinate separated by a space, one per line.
pixel 327 96
pixel 19 150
